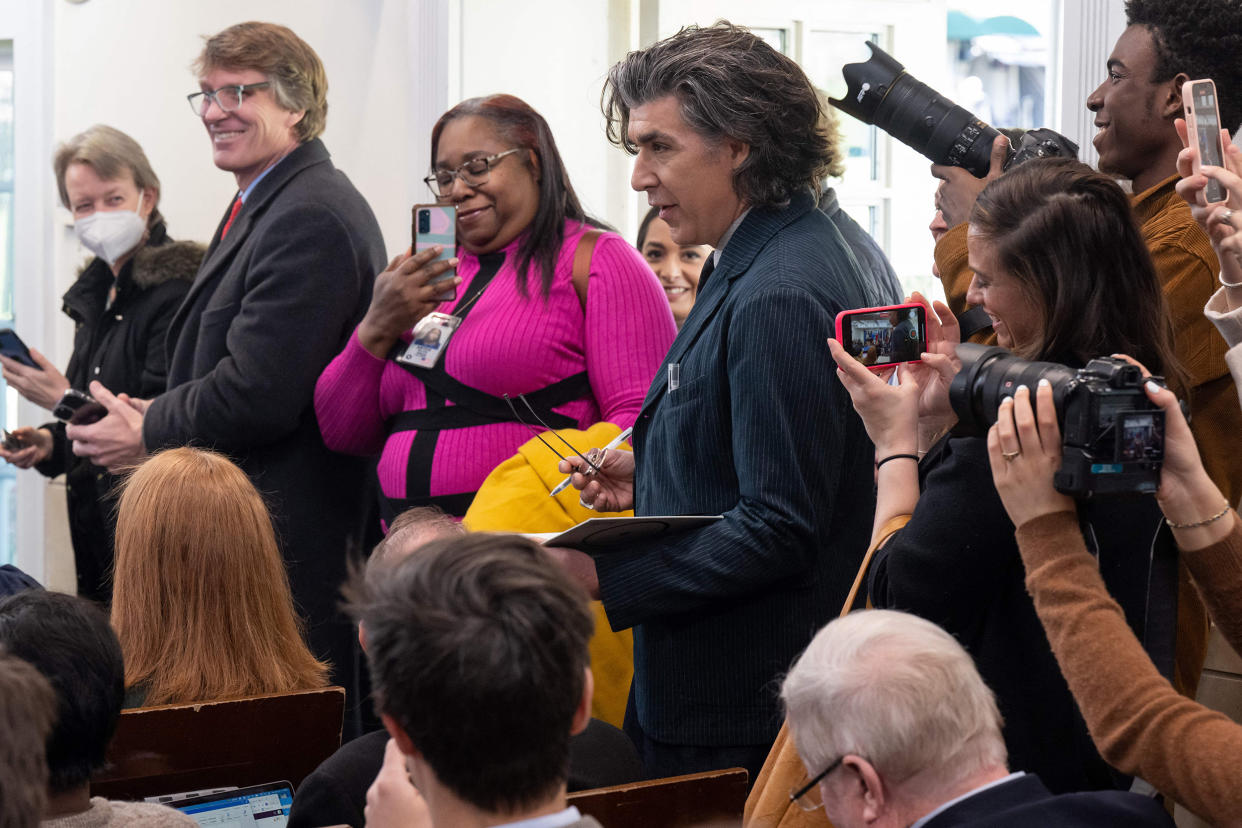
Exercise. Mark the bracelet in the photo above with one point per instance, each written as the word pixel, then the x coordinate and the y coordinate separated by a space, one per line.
pixel 1199 523
pixel 913 457
pixel 1221 278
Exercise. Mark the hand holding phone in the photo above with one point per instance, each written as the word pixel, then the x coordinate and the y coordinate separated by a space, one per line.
pixel 1203 130
pixel 79 408
pixel 436 224
pixel 885 336
pixel 11 346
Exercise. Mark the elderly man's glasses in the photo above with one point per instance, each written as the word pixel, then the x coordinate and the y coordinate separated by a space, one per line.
pixel 591 463
pixel 228 98
pixel 474 172
pixel 808 797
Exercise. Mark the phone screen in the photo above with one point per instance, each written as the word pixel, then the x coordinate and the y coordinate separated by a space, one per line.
pixel 886 336
pixel 436 224
pixel 1207 134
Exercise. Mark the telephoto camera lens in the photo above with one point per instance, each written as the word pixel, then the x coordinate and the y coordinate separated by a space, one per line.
pixel 991 373
pixel 883 93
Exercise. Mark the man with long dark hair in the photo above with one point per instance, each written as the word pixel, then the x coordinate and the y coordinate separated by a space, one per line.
pixel 744 419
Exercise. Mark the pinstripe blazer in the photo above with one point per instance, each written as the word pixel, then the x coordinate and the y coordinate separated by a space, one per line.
pixel 761 431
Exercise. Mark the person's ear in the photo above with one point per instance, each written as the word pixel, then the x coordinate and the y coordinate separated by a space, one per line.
pixel 870 787
pixel 738 151
pixel 397 732
pixel 582 716
pixel 362 637
pixel 150 198
pixel 294 117
pixel 536 169
pixel 1171 106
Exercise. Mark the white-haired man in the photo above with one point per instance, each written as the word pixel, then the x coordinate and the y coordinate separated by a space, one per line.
pixel 896 728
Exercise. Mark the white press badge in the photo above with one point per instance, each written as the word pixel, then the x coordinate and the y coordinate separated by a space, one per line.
pixel 431 337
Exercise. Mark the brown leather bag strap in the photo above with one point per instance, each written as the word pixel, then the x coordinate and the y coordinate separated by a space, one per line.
pixel 582 263
pixel 891 527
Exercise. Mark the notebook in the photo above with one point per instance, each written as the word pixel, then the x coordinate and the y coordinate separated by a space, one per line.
pixel 260 805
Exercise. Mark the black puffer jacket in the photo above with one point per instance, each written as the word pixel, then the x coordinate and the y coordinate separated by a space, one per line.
pixel 122 345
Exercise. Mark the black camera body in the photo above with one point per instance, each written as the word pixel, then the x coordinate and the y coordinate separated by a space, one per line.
pixel 1112 435
pixel 883 93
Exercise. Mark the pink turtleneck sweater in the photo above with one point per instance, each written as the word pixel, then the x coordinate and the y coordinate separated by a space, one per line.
pixel 514 345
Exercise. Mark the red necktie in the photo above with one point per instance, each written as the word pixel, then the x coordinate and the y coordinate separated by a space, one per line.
pixel 237 205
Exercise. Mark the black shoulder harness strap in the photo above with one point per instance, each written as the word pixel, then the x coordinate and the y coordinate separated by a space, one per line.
pixel 469 407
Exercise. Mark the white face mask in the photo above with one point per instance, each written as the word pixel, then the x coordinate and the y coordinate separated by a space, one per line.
pixel 110 234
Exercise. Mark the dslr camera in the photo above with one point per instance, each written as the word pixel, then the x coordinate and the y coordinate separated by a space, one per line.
pixel 882 93
pixel 1112 436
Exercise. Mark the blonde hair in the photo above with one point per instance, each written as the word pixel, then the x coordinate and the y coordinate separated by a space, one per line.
pixel 201 602
pixel 111 154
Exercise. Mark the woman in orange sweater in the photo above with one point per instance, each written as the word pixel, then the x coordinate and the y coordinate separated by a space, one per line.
pixel 1140 724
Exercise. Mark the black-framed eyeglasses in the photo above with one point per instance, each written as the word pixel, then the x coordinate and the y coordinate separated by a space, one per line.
pixel 474 172
pixel 807 797
pixel 228 98
pixel 539 420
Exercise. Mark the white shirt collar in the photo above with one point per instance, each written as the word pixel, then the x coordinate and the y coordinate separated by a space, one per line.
pixel 946 806
pixel 566 817
pixel 728 234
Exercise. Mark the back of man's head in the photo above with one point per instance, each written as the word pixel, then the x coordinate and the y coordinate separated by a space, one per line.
pixel 1200 39
pixel 899 691
pixel 27 710
pixel 68 640
pixel 410 530
pixel 478 652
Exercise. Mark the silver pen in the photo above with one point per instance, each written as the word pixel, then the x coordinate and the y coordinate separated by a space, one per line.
pixel 620 438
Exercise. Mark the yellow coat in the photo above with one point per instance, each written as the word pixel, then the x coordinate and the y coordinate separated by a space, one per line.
pixel 514 498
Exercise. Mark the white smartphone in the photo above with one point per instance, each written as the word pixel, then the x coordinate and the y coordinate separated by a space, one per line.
pixel 1203 129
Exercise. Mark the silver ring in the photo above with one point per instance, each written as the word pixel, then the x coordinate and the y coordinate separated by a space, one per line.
pixel 1227 217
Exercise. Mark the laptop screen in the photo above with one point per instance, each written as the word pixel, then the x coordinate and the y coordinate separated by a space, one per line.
pixel 262 805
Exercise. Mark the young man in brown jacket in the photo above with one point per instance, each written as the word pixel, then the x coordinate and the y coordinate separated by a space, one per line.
pixel 1165 43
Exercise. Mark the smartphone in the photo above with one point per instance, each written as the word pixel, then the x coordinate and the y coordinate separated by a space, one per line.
pixel 1203 129
pixel 11 346
pixel 11 441
pixel 77 408
pixel 437 224
pixel 885 336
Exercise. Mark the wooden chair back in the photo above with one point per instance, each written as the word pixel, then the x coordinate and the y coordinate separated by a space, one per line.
pixel 191 747
pixel 715 798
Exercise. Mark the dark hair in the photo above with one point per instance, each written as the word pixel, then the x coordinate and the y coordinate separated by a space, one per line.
pixel 478 647
pixel 1049 220
pixel 523 127
pixel 1199 38
pixel 652 214
pixel 27 711
pixel 730 84
pixel 299 83
pixel 68 640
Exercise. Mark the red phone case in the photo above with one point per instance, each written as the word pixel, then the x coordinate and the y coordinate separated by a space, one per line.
pixel 844 315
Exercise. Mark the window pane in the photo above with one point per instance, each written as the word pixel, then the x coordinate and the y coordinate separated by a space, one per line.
pixel 8 495
pixel 860 143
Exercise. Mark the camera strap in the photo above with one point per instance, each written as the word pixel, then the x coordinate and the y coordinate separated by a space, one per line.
pixel 973 320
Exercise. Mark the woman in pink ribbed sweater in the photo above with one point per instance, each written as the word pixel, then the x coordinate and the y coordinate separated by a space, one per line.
pixel 579 357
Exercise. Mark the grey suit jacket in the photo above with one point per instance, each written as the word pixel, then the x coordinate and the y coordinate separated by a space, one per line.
pixel 761 431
